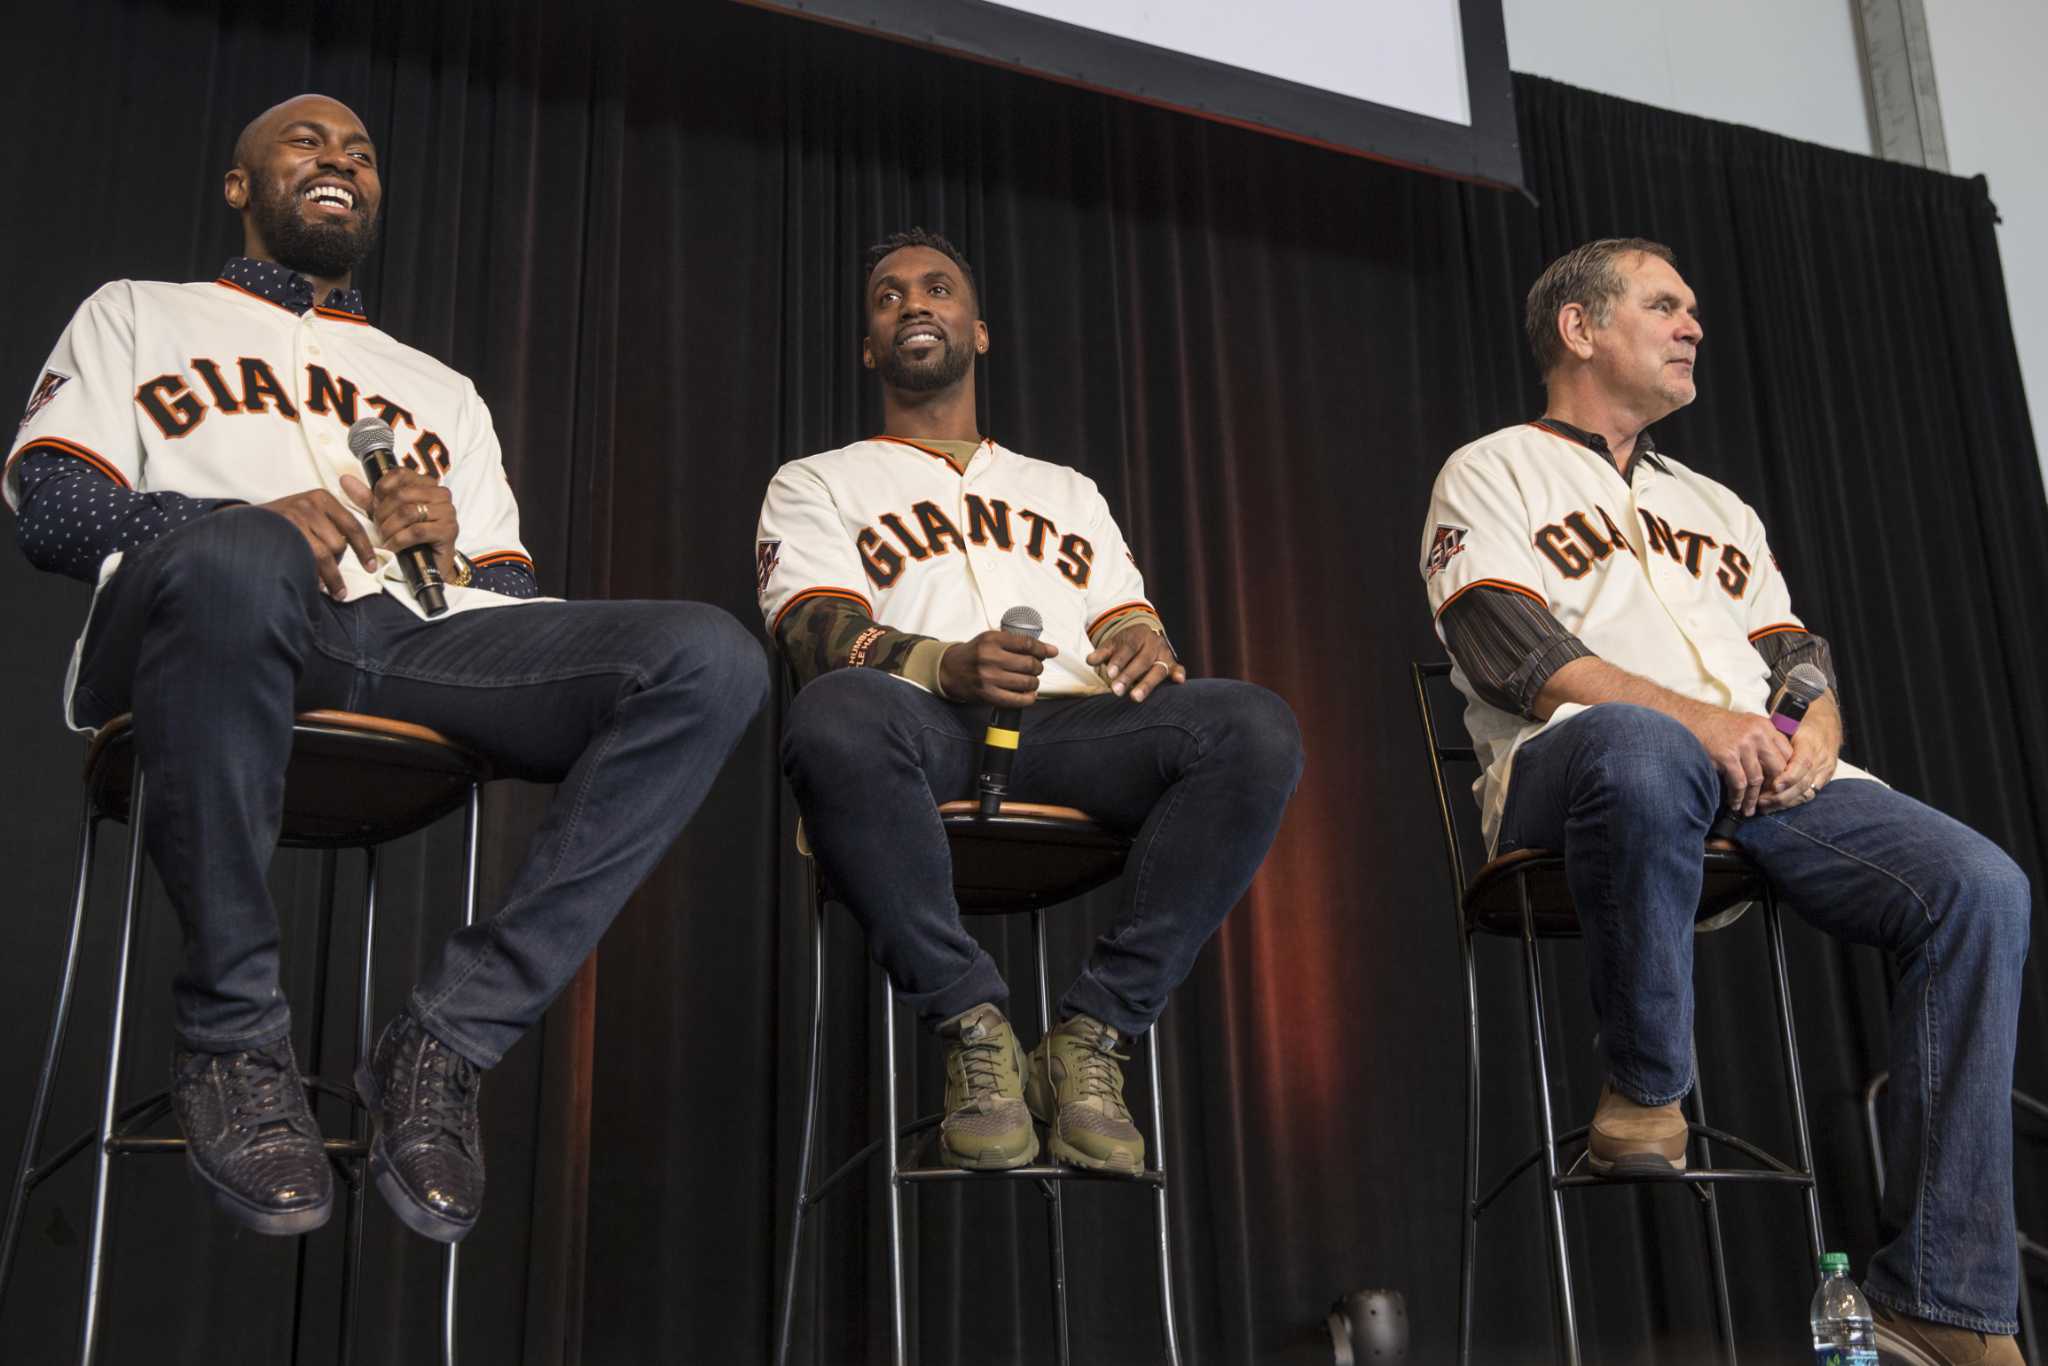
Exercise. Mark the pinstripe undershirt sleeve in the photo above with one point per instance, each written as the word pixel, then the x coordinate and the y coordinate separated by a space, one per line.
pixel 1508 645
pixel 1784 651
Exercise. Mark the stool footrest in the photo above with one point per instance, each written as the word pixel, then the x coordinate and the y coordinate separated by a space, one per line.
pixel 1772 1169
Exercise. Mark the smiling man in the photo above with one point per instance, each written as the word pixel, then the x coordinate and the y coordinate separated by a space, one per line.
pixel 1619 626
pixel 186 449
pixel 885 568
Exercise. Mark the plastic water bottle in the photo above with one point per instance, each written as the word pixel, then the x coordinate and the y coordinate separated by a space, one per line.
pixel 1843 1332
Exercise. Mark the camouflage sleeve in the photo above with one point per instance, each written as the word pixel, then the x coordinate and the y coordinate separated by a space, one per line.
pixel 821 634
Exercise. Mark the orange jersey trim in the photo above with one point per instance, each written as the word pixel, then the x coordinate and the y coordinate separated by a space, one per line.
pixel 1120 610
pixel 341 315
pixel 809 593
pixel 934 454
pixel 72 448
pixel 1507 585
pixel 1780 629
pixel 501 557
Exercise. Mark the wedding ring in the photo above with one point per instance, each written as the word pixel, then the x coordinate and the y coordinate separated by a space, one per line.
pixel 421 509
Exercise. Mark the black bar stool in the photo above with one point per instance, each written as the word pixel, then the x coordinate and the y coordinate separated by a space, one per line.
pixel 354 782
pixel 1524 895
pixel 1026 858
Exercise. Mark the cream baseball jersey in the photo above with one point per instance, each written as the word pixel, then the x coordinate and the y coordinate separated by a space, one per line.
pixel 1667 574
pixel 938 551
pixel 208 390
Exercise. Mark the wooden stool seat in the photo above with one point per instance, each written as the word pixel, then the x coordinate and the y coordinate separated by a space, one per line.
pixel 1493 902
pixel 1027 856
pixel 353 780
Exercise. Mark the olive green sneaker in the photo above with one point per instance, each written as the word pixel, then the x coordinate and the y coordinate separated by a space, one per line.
pixel 986 1127
pixel 1076 1090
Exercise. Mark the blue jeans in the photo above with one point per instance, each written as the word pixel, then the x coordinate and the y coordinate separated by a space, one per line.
pixel 217 633
pixel 1628 794
pixel 1199 772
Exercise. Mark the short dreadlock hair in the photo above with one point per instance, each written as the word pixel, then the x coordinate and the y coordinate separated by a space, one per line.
pixel 916 237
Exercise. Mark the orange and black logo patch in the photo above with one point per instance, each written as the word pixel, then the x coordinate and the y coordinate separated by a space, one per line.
pixel 1443 548
pixel 46 389
pixel 767 554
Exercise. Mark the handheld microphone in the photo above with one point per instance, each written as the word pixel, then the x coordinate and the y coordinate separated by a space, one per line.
pixel 370 441
pixel 1801 689
pixel 999 741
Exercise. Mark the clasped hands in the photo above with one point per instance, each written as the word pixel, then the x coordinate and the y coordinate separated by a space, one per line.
pixel 1763 770
pixel 406 507
pixel 1001 668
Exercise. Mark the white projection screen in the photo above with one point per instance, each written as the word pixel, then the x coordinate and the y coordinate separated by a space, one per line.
pixel 1421 83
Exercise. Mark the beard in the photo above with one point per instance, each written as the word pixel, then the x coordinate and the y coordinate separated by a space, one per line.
pixel 941 372
pixel 324 251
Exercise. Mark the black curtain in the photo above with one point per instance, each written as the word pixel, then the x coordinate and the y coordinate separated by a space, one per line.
pixel 638 228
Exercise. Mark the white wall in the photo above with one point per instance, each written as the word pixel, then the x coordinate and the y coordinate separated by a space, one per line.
pixel 1793 67
pixel 1989 57
pixel 1788 66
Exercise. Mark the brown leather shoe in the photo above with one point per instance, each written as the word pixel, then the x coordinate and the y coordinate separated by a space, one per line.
pixel 1628 1139
pixel 1904 1341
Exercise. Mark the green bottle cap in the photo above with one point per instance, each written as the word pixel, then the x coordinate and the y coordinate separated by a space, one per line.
pixel 1832 1263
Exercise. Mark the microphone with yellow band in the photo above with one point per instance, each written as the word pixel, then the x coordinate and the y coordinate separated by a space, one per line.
pixel 999 742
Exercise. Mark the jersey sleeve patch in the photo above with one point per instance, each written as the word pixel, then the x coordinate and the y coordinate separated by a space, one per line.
pixel 767 554
pixel 46 389
pixel 1444 546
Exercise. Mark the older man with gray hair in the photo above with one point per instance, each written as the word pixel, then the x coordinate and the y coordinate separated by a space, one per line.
pixel 1619 628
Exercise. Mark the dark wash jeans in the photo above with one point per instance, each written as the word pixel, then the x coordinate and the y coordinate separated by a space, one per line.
pixel 1628 794
pixel 217 633
pixel 1199 772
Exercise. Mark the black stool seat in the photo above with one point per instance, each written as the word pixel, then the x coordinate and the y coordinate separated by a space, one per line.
pixel 1027 856
pixel 1493 902
pixel 353 780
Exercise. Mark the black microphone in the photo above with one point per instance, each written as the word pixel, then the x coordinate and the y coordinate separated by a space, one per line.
pixel 999 741
pixel 370 441
pixel 1801 689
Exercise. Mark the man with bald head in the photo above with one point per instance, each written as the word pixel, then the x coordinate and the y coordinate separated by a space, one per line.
pixel 187 449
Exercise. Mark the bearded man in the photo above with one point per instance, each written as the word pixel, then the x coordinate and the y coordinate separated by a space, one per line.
pixel 186 449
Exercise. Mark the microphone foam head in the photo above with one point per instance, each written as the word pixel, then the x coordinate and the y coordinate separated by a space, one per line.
pixel 1025 621
pixel 369 434
pixel 1806 682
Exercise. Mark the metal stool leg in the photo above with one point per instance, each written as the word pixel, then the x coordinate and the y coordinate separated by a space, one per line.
pixel 53 1049
pixel 895 1192
pixel 803 1162
pixel 470 821
pixel 1056 1224
pixel 1775 932
pixel 1560 1256
pixel 96 1244
pixel 1469 1253
pixel 352 1214
pixel 1159 1196
pixel 1710 1213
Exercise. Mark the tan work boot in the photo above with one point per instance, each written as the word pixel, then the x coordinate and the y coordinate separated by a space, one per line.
pixel 986 1127
pixel 1628 1139
pixel 1076 1090
pixel 1904 1341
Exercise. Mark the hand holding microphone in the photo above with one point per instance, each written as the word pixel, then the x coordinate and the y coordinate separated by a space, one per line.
pixel 414 515
pixel 1001 666
pixel 1802 687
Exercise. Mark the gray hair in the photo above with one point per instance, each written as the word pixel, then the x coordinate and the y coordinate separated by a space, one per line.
pixel 1588 276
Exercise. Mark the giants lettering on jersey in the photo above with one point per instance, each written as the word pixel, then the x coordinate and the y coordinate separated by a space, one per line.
pixel 988 523
pixel 248 385
pixel 1575 545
